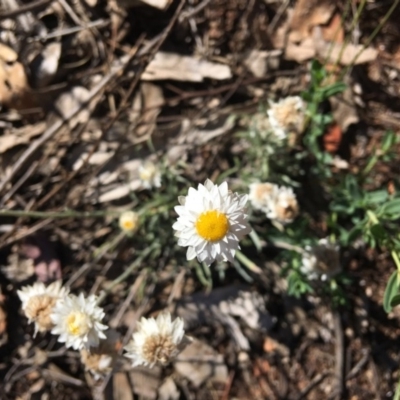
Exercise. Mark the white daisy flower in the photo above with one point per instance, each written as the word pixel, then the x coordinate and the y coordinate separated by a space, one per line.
pixel 78 321
pixel 278 202
pixel 156 340
pixel 212 220
pixel 128 221
pixel 149 175
pixel 287 116
pixel 321 261
pixel 38 301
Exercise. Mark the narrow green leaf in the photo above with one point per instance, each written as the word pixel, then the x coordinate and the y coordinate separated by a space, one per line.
pixel 392 289
pixel 392 207
pixel 395 301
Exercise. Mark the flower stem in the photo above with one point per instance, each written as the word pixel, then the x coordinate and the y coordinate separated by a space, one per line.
pixel 397 393
pixel 57 214
pixel 248 263
pixel 204 277
pixel 126 273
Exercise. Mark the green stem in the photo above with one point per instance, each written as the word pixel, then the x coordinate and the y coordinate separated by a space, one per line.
pixel 202 277
pixel 126 273
pixel 375 32
pixel 247 262
pixel 397 393
pixel 396 259
pixel 57 214
pixel 353 25
pixel 288 246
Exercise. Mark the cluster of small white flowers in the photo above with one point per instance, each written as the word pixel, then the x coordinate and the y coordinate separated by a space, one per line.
pixel 76 319
pixel 212 220
pixel 278 202
pixel 287 116
pixel 321 261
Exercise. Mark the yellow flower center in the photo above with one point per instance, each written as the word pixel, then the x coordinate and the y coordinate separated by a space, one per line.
pixel 77 323
pixel 212 225
pixel 128 225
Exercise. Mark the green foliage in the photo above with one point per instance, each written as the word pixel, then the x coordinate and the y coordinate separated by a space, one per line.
pixel 391 298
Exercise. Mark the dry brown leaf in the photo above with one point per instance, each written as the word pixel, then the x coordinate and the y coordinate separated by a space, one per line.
pixel 3 321
pixel 122 389
pixel 199 362
pixel 303 51
pixel 307 14
pixel 184 68
pixel 335 53
pixel 332 138
pixel 260 62
pixel 14 85
pixel 333 31
pixel 146 381
pixel 20 136
pixel 75 97
pixel 18 268
pixel 344 109
pixel 168 390
pixel 145 108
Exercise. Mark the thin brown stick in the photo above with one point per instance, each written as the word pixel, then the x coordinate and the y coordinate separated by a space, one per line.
pixel 34 6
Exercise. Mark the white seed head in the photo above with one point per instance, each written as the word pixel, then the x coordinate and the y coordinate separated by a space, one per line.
pixel 287 116
pixel 38 302
pixel 278 202
pixel 156 341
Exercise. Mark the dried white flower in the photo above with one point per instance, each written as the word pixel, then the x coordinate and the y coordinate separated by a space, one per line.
pixel 287 116
pixel 149 175
pixel 321 261
pixel 278 202
pixel 18 268
pixel 38 302
pixel 78 321
pixel 260 193
pixel 156 340
pixel 212 220
pixel 128 221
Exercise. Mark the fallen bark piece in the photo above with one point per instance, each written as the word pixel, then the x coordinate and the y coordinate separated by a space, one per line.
pixel 184 68
pixel 199 362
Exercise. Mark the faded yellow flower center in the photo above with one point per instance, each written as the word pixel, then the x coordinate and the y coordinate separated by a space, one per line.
pixel 39 309
pixel 158 348
pixel 77 323
pixel 128 225
pixel 212 225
